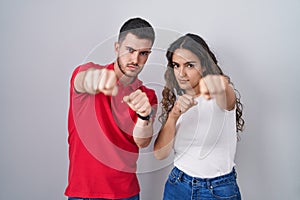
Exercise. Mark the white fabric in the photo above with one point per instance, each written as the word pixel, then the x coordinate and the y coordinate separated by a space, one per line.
pixel 205 141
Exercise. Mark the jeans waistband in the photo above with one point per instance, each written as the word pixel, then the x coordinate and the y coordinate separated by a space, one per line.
pixel 204 182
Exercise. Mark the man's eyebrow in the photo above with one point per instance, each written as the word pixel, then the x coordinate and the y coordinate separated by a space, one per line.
pixel 141 49
pixel 129 47
pixel 147 51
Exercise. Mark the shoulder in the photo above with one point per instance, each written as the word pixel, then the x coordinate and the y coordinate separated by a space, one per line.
pixel 147 90
pixel 89 65
pixel 86 66
pixel 150 94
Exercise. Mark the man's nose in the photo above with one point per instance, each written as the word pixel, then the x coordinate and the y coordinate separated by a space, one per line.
pixel 135 57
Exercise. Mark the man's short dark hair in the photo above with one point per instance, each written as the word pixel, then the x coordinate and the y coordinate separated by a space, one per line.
pixel 138 27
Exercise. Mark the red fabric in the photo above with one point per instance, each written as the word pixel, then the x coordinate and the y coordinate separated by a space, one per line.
pixel 102 151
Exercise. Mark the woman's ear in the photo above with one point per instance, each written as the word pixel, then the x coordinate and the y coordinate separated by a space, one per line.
pixel 204 72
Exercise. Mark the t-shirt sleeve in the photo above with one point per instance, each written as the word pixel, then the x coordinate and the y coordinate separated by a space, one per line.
pixel 81 68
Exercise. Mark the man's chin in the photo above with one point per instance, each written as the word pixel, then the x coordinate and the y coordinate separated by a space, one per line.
pixel 130 74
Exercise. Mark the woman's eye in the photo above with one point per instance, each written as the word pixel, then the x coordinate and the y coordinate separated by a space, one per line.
pixel 190 65
pixel 175 65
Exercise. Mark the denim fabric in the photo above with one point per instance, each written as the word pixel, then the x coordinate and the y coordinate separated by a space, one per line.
pixel 181 186
pixel 136 197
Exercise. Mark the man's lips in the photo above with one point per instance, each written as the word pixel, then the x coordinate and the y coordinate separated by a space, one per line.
pixel 132 67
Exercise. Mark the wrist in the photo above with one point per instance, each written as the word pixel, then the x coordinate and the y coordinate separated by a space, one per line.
pixel 147 117
pixel 175 111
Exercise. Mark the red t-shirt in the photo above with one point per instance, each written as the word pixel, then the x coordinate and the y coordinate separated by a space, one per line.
pixel 102 151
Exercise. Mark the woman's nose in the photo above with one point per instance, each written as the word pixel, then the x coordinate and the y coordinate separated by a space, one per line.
pixel 182 71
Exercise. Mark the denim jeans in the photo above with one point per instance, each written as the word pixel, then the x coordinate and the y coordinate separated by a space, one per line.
pixel 181 186
pixel 136 197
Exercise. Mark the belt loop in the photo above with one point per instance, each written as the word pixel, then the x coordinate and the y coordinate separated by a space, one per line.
pixel 209 185
pixel 180 174
pixel 235 174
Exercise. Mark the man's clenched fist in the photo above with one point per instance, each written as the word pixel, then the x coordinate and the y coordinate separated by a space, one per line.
pixel 139 102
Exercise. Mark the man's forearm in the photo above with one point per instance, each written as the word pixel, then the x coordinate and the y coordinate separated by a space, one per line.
pixel 143 132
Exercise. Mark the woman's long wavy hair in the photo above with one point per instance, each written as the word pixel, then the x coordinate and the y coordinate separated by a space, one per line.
pixel 209 63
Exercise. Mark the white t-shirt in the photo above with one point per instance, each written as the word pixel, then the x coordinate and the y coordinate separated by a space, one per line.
pixel 205 140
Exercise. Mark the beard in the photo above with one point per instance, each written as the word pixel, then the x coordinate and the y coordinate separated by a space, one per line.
pixel 122 69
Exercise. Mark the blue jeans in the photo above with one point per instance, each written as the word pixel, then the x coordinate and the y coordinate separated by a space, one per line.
pixel 181 186
pixel 136 197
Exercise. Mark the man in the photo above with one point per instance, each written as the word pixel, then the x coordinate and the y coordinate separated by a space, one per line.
pixel 110 118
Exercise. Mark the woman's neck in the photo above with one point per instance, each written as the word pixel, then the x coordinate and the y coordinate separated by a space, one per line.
pixel 194 92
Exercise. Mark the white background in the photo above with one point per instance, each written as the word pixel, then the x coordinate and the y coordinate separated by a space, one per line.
pixel 41 42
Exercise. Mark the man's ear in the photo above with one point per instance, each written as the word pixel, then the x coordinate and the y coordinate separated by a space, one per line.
pixel 117 47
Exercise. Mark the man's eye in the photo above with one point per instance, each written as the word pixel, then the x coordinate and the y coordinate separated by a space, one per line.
pixel 130 50
pixel 144 53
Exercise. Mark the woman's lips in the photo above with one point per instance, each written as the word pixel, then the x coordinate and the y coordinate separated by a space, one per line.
pixel 182 81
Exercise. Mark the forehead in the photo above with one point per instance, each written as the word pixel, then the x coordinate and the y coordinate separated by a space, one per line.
pixel 184 55
pixel 136 43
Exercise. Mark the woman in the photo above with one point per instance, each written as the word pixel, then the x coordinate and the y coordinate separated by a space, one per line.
pixel 200 123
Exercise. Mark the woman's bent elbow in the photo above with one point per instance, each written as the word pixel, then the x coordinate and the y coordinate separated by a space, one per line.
pixel 160 154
